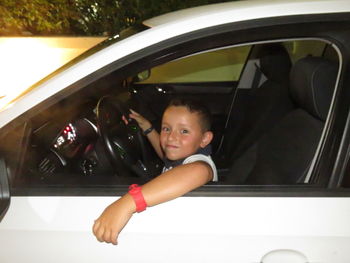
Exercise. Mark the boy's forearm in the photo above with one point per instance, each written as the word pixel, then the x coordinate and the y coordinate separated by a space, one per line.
pixel 172 184
pixel 165 187
pixel 176 183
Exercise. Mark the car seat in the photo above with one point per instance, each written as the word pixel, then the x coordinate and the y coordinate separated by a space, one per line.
pixel 257 108
pixel 283 154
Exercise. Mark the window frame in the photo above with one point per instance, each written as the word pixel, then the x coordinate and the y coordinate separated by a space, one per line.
pixel 280 29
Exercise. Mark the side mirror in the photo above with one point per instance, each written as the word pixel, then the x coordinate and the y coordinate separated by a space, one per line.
pixel 4 189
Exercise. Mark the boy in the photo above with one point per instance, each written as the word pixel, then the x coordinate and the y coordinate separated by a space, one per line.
pixel 183 144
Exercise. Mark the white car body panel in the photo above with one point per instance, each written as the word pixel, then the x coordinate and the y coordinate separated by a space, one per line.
pixel 188 229
pixel 317 228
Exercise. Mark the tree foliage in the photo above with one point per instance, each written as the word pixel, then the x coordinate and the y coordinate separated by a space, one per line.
pixel 82 17
pixel 35 16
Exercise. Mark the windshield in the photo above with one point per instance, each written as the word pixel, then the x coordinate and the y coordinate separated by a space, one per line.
pixel 8 99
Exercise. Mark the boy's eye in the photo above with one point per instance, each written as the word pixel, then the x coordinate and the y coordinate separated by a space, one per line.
pixel 165 129
pixel 184 131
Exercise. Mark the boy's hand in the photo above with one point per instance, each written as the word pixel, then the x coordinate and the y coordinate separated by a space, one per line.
pixel 113 219
pixel 142 122
pixel 145 124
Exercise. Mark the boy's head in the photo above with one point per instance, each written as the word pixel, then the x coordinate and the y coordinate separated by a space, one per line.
pixel 185 128
pixel 195 106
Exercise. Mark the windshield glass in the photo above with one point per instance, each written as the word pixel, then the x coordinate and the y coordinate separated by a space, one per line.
pixel 7 99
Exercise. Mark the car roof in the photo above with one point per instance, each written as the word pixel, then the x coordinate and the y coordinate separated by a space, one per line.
pixel 251 9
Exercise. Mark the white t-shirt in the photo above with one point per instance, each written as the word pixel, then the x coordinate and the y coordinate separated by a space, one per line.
pixel 199 157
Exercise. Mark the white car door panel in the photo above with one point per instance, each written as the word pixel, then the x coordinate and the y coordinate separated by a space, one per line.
pixel 190 229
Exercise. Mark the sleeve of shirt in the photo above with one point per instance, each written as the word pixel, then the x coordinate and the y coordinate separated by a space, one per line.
pixel 203 158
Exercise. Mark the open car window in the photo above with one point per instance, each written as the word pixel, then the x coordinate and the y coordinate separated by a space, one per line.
pixel 266 131
pixel 224 64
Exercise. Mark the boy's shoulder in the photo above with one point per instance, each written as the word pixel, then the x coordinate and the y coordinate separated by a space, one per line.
pixel 203 158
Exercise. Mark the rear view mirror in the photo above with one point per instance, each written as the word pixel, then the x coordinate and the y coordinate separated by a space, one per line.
pixel 143 75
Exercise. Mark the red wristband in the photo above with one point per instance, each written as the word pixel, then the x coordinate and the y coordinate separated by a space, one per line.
pixel 135 192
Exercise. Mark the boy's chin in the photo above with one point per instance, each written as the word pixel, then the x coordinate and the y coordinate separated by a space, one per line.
pixel 173 157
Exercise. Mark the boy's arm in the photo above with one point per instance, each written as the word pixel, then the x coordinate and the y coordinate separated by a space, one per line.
pixel 167 186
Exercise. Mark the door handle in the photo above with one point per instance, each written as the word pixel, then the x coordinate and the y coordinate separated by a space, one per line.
pixel 285 256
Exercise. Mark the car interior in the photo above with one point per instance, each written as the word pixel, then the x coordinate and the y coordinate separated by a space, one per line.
pixel 268 118
pixel 283 153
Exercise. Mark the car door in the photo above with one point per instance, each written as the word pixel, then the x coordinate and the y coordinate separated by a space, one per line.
pixel 50 219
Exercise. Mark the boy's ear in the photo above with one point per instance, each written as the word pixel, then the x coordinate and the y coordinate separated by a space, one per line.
pixel 207 137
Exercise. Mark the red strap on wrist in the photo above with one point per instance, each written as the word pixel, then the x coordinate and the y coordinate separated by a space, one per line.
pixel 136 193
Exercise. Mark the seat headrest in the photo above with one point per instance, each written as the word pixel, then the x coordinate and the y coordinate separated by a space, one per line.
pixel 274 61
pixel 312 82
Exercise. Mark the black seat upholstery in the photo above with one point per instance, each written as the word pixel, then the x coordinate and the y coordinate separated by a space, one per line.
pixel 258 108
pixel 284 153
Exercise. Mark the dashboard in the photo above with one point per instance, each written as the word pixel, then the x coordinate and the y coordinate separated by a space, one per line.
pixel 73 137
pixel 64 140
pixel 73 149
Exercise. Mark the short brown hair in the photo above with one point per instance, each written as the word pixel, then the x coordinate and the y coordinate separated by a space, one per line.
pixel 195 106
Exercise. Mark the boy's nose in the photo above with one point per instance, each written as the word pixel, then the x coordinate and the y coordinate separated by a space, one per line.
pixel 172 136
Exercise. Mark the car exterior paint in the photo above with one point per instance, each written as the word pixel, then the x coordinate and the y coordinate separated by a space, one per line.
pixel 234 227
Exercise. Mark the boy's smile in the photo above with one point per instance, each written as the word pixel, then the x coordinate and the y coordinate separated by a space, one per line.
pixel 181 134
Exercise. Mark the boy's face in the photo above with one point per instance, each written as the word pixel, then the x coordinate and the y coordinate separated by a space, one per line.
pixel 181 134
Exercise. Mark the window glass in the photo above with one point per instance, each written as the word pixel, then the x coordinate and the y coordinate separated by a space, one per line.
pixel 218 65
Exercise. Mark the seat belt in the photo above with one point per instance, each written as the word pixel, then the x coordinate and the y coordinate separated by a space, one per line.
pixel 257 77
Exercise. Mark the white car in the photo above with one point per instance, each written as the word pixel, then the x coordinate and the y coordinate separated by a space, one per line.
pixel 276 77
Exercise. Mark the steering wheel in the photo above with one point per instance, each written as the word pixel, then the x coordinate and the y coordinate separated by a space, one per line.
pixel 124 143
